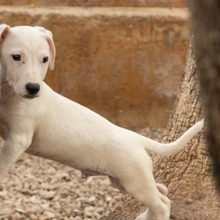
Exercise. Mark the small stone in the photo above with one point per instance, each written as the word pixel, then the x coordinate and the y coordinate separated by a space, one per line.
pixel 33 217
pixel 89 209
pixel 108 198
pixel 49 214
pixel 3 193
pixel 47 194
pixel 88 214
pixel 92 199
pixel 100 210
pixel 6 211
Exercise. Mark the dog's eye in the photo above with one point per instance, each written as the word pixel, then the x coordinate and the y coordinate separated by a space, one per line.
pixel 45 59
pixel 16 57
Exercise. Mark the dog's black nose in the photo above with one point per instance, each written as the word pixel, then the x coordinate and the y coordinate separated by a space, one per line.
pixel 32 88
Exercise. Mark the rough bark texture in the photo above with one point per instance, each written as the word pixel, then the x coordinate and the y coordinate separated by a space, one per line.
pixel 206 24
pixel 186 174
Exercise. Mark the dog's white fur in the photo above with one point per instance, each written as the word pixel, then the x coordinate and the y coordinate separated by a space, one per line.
pixel 51 126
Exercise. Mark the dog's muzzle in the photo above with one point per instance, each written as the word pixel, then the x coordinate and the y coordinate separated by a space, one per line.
pixel 32 90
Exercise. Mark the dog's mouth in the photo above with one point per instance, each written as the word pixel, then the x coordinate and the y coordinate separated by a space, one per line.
pixel 29 96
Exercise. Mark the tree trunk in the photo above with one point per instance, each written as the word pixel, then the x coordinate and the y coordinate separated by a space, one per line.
pixel 186 174
pixel 206 25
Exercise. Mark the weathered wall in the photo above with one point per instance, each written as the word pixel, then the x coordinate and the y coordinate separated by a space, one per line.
pixel 125 64
pixel 102 3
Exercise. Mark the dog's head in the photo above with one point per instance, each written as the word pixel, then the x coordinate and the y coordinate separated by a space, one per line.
pixel 25 55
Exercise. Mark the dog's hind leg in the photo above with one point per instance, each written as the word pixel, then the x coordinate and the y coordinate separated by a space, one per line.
pixel 116 183
pixel 139 182
pixel 148 214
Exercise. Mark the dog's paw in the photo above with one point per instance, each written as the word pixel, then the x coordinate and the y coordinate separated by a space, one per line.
pixel 143 216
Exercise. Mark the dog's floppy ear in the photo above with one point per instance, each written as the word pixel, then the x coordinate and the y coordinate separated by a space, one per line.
pixel 49 38
pixel 44 30
pixel 4 30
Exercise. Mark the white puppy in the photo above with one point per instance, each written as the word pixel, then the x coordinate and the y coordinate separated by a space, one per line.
pixel 37 120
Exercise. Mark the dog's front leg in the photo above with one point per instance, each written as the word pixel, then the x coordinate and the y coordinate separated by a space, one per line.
pixel 15 144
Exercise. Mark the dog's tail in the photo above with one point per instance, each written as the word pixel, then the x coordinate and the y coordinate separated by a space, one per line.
pixel 174 147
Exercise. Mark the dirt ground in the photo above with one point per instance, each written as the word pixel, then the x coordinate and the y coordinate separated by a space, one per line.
pixel 37 188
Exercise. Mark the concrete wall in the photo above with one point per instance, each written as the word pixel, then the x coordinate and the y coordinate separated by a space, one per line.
pixel 99 3
pixel 124 63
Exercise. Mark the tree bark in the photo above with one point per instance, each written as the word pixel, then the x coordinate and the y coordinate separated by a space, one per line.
pixel 206 24
pixel 186 174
